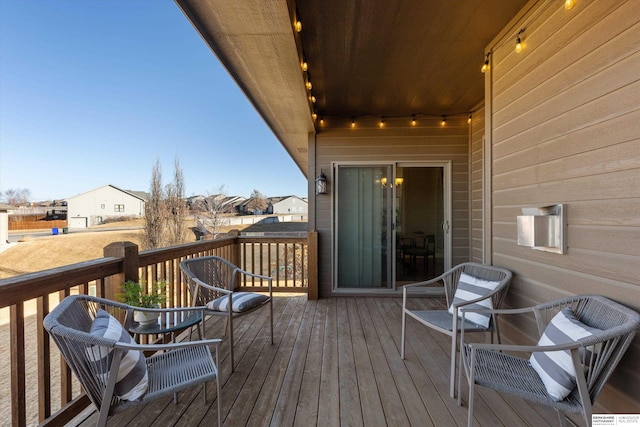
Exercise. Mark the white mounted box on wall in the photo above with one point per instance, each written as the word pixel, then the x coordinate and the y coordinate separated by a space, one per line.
pixel 543 228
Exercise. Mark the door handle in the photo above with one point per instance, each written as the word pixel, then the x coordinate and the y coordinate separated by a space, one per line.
pixel 445 227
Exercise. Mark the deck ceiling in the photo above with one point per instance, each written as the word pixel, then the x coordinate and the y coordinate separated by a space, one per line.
pixel 383 58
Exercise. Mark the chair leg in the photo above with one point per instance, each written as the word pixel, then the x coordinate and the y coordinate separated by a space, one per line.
pixel 271 318
pixel 403 332
pixel 452 374
pixel 563 418
pixel 219 396
pixel 233 366
pixel 470 404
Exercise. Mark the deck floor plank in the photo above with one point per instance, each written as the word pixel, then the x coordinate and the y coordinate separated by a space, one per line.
pixel 307 407
pixel 289 396
pixel 329 396
pixel 349 394
pixel 334 362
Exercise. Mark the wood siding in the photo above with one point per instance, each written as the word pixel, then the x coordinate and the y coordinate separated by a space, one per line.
pixel 476 185
pixel 397 142
pixel 565 116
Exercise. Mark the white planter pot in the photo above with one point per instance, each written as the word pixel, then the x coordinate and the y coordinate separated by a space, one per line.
pixel 145 317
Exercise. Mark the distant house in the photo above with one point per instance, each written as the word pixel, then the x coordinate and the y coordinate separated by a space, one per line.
pixel 287 205
pixel 4 224
pixel 93 207
pixel 227 204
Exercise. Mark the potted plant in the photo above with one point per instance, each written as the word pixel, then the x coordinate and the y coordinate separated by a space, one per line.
pixel 134 294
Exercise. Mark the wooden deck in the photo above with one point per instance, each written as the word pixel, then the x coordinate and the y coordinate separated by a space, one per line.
pixel 334 362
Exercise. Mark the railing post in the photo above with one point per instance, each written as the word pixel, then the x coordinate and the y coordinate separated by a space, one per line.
pixel 236 257
pixel 129 253
pixel 312 265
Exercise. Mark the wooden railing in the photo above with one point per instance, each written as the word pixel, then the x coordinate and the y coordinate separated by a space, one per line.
pixel 46 392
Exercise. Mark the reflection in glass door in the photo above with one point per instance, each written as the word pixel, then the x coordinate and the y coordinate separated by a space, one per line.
pixel 363 227
pixel 421 218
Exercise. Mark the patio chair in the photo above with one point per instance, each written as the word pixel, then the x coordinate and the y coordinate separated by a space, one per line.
pixel 466 285
pixel 113 369
pixel 213 283
pixel 582 339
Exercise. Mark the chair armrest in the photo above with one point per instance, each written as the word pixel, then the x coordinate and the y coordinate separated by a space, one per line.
pixel 168 346
pixel 208 286
pixel 524 348
pixel 495 310
pixel 254 275
pixel 421 284
pixel 169 309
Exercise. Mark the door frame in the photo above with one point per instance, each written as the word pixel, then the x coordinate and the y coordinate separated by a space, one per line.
pixel 446 166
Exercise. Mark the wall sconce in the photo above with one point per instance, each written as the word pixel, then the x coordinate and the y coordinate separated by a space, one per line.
pixel 399 181
pixel 321 183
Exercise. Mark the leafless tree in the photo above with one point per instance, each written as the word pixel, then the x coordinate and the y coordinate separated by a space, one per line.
pixel 155 211
pixel 17 196
pixel 257 202
pixel 176 208
pixel 213 219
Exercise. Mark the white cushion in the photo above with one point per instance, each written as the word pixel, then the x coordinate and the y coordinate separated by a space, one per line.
pixel 132 379
pixel 470 288
pixel 242 301
pixel 555 367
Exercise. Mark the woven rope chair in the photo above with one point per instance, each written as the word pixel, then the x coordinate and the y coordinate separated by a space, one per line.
pixel 171 368
pixel 212 279
pixel 449 323
pixel 497 367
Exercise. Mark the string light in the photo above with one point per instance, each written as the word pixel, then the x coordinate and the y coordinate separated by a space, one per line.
pixel 312 99
pixel 413 120
pixel 519 42
pixel 469 119
pixel 314 116
pixel 568 4
pixel 298 26
pixel 485 66
pixel 308 85
pixel 353 123
pixel 444 121
pixel 304 66
pixel 321 121
pixel 381 123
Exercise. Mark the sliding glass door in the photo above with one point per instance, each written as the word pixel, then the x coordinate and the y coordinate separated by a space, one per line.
pixel 362 227
pixel 390 224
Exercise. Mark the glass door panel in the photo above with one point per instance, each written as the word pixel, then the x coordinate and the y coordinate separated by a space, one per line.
pixel 363 227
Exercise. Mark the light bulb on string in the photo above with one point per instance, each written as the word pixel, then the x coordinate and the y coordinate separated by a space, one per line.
pixel 444 121
pixel 485 66
pixel 519 42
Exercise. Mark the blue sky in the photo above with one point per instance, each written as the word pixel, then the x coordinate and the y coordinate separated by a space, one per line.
pixel 94 92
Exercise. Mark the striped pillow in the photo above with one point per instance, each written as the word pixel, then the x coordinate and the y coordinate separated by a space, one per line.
pixel 555 367
pixel 132 380
pixel 470 288
pixel 242 301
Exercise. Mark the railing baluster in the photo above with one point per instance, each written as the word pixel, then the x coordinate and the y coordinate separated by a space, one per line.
pixel 44 361
pixel 18 387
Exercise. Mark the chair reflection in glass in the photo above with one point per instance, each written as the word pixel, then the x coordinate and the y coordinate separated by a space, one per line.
pixel 424 246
